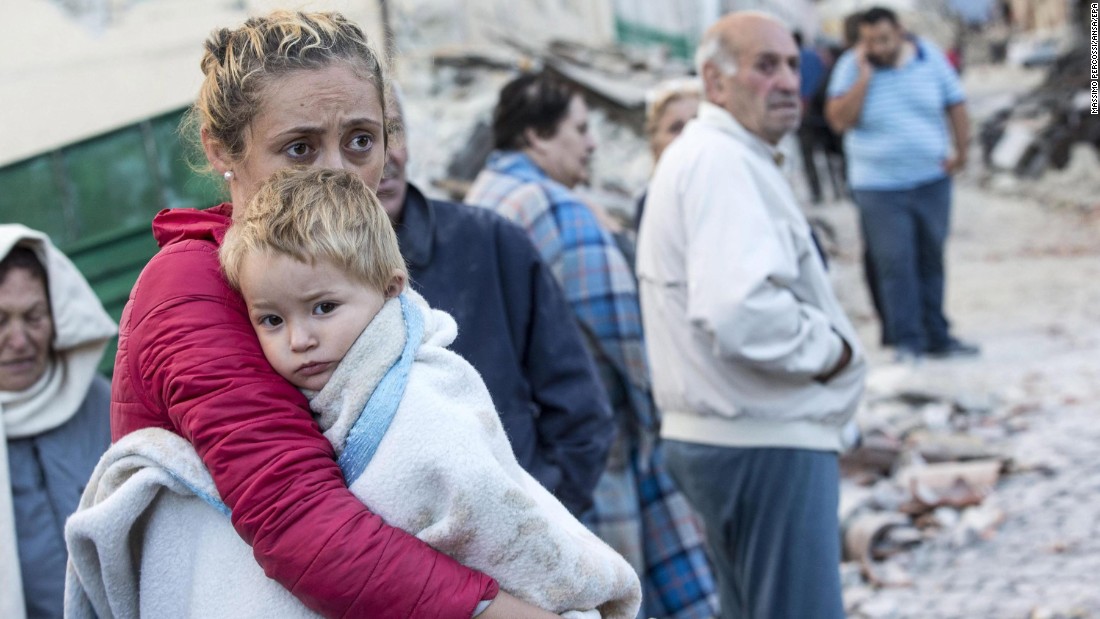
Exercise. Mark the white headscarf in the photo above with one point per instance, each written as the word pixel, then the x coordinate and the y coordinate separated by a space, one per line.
pixel 82 330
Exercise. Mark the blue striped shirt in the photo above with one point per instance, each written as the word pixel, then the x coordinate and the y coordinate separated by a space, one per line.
pixel 901 138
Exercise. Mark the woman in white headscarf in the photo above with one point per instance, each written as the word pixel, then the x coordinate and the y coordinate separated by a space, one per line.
pixel 54 414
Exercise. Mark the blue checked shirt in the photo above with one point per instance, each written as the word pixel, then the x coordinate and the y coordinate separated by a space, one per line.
pixel 666 544
pixel 598 283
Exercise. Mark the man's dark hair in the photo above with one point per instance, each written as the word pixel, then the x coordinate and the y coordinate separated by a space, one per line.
pixel 851 29
pixel 876 14
pixel 536 101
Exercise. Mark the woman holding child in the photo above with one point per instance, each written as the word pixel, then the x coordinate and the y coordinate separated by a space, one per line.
pixel 541 133
pixel 289 89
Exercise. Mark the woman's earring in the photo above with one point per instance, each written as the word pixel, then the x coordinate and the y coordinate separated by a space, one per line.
pixel 228 175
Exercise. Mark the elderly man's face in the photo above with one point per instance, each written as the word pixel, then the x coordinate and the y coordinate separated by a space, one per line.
pixel 763 92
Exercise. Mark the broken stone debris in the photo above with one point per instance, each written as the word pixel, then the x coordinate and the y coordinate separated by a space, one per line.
pixel 614 81
pixel 921 471
pixel 1038 131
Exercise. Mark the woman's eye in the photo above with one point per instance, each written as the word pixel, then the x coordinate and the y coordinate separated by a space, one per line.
pixel 324 308
pixel 362 142
pixel 270 321
pixel 298 150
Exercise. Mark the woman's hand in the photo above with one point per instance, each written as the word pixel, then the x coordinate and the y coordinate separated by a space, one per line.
pixel 505 606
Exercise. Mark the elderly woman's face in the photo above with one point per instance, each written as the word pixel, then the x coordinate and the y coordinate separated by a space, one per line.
pixel 565 156
pixel 676 114
pixel 328 118
pixel 26 330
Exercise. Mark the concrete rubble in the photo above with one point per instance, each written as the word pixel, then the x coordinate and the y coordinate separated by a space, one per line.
pixel 451 91
pixel 1046 134
pixel 919 473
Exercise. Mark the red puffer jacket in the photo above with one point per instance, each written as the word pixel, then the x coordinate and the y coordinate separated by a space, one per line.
pixel 188 361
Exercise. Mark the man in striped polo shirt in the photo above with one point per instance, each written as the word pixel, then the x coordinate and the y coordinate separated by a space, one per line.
pixel 898 100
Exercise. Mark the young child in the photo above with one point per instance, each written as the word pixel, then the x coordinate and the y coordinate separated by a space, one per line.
pixel 416 432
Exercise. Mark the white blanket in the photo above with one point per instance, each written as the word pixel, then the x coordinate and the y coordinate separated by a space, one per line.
pixel 147 542
pixel 144 543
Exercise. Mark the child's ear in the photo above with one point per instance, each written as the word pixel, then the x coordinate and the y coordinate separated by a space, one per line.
pixel 396 285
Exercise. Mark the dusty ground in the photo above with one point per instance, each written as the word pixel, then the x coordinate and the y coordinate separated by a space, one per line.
pixel 1024 282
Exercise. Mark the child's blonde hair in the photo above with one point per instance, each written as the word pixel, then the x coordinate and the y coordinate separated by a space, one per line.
pixel 313 215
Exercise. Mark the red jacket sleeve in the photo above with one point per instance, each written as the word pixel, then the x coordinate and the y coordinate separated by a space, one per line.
pixel 195 356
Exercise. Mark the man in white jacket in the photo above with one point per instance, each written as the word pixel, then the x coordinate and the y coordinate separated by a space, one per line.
pixel 756 369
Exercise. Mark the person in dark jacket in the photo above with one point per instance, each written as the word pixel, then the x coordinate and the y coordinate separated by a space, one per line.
pixel 54 414
pixel 514 326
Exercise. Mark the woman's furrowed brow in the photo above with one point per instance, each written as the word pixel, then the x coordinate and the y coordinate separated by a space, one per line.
pixel 359 122
pixel 301 130
pixel 318 129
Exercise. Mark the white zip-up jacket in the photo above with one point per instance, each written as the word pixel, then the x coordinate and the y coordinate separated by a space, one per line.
pixel 740 316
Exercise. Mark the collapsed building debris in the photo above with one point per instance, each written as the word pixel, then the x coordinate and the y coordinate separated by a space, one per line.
pixel 919 472
pixel 614 82
pixel 1039 130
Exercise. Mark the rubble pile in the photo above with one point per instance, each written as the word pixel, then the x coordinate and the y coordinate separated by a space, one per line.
pixel 927 468
pixel 975 490
pixel 450 92
pixel 1047 129
pixel 975 506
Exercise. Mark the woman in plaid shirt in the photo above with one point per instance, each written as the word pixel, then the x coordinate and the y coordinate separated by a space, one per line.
pixel 540 131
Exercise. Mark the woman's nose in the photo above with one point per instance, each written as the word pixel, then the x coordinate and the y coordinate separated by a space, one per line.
pixel 328 160
pixel 17 338
pixel 333 159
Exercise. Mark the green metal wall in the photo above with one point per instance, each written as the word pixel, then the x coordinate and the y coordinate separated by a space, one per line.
pixel 679 45
pixel 96 199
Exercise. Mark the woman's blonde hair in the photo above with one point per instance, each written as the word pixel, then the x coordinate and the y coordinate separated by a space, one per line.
pixel 239 64
pixel 666 93
pixel 316 215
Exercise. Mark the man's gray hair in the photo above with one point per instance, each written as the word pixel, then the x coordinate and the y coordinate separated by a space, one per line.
pixel 713 49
